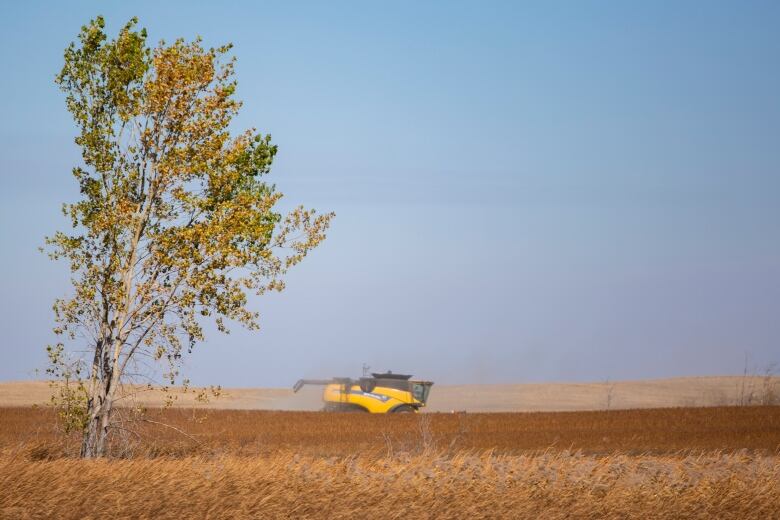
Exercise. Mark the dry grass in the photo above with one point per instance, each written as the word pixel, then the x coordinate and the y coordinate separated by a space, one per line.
pixel 427 485
pixel 671 463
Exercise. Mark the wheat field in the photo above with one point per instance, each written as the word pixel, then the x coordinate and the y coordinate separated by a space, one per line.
pixel 187 463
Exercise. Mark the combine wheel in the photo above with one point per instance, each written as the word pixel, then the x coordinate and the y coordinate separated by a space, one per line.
pixel 404 408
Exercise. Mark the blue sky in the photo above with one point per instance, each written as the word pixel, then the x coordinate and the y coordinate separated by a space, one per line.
pixel 524 191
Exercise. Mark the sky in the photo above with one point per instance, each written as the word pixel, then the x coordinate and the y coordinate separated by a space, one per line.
pixel 524 191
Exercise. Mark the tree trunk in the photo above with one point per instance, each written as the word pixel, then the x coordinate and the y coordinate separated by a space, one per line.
pixel 99 411
pixel 104 388
pixel 107 374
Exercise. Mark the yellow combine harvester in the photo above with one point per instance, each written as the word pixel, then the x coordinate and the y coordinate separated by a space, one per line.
pixel 382 393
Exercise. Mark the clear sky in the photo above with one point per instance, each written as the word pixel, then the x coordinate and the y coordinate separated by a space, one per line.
pixel 524 191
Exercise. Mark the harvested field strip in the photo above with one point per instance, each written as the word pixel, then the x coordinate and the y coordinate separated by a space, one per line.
pixel 429 485
pixel 659 431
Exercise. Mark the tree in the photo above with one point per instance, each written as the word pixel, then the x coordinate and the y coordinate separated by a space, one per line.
pixel 174 224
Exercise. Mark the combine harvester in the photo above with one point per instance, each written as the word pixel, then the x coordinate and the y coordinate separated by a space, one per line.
pixel 382 393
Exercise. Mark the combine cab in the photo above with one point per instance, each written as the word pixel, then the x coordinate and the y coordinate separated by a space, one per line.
pixel 382 393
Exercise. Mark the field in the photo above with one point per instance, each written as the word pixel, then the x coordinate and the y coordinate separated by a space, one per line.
pixel 657 463
pixel 652 393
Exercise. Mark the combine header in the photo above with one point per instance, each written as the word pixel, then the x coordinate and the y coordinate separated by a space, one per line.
pixel 382 393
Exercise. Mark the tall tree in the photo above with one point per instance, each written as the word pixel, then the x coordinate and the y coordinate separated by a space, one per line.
pixel 175 222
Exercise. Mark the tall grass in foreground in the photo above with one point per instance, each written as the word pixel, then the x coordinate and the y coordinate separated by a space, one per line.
pixel 426 485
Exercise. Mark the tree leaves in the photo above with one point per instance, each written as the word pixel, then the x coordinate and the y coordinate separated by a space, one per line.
pixel 175 221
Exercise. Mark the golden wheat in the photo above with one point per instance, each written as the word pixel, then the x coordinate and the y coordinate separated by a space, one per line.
pixel 427 485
